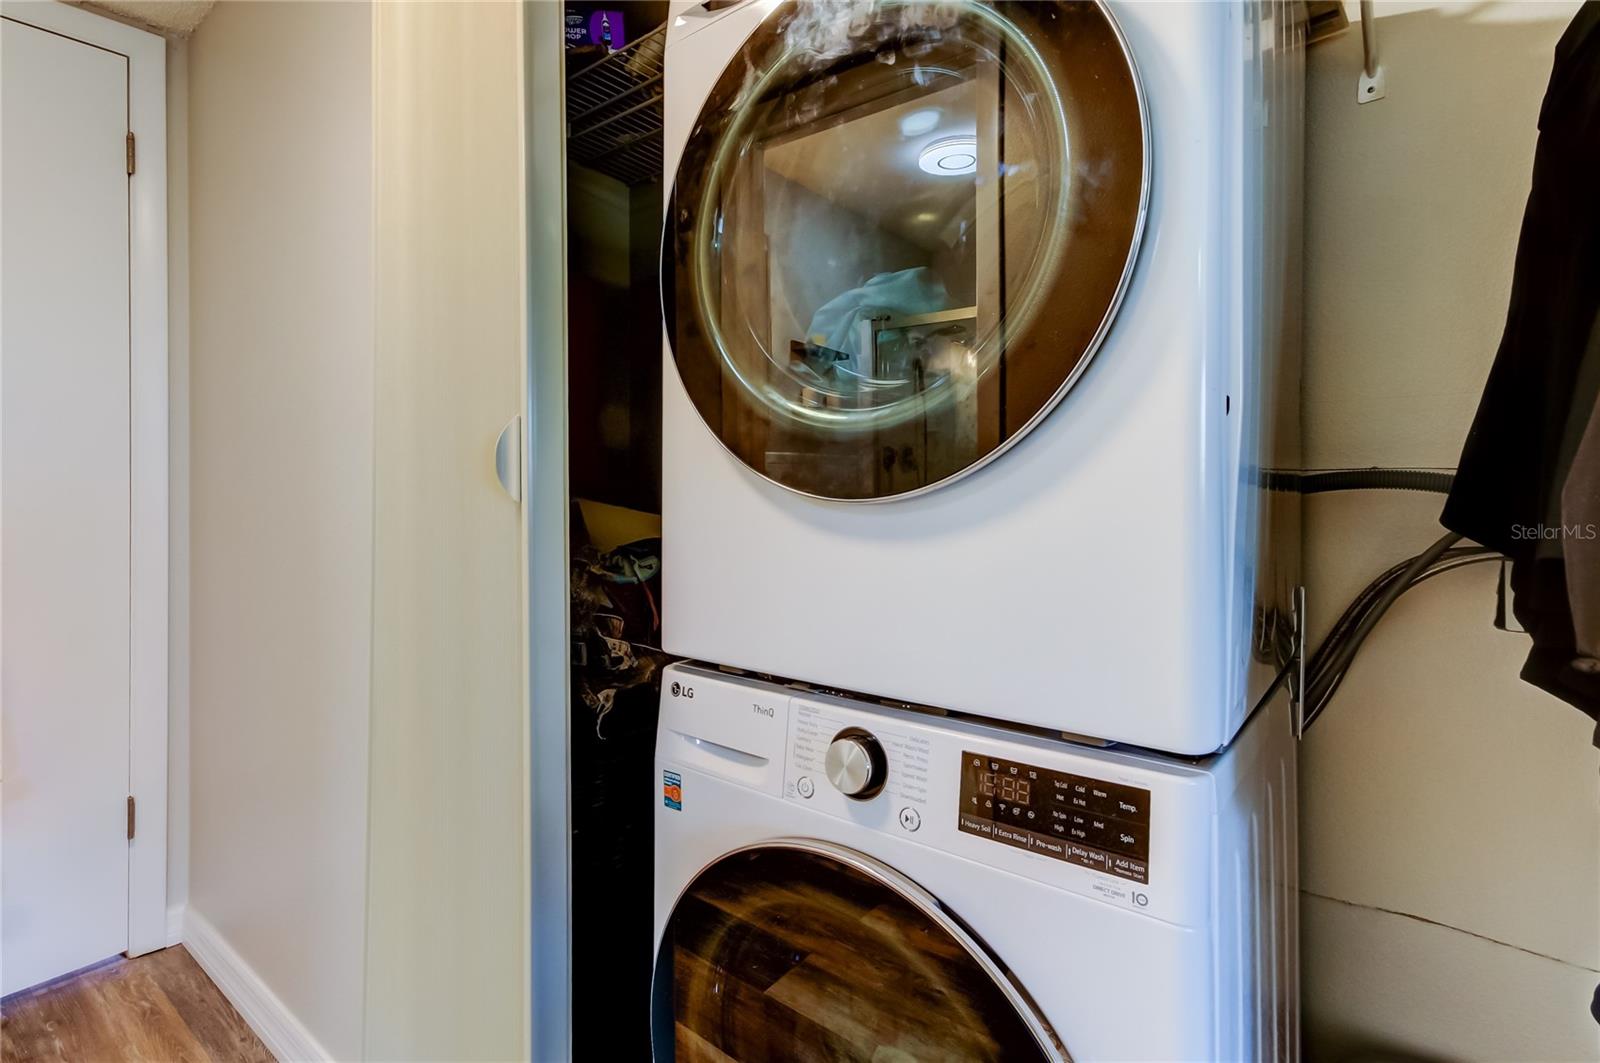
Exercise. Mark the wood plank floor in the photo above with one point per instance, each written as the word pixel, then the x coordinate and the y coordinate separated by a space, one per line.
pixel 158 1008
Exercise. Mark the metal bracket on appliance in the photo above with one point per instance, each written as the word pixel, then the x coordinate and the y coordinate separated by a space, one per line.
pixel 1372 85
pixel 1297 681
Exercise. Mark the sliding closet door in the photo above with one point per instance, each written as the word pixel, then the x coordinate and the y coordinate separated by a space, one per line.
pixel 447 956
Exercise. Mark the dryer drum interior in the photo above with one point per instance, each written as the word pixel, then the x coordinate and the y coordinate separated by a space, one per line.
pixel 898 233
pixel 801 949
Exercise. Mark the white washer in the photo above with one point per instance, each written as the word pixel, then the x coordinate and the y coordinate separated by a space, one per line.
pixel 988 894
pixel 898 235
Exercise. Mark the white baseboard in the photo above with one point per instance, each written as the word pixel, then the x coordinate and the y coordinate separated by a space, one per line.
pixel 174 925
pixel 283 1034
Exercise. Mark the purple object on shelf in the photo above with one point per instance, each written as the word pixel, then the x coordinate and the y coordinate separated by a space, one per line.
pixel 605 29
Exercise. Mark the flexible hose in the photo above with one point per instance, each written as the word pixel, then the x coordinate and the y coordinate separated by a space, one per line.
pixel 1346 653
pixel 1317 666
pixel 1328 686
pixel 1313 483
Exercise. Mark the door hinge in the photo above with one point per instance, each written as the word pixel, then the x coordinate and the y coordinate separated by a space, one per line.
pixel 130 154
pixel 130 818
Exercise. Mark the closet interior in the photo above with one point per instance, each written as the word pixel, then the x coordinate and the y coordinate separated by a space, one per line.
pixel 614 69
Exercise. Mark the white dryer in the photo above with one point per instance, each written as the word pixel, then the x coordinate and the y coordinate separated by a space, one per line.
pixel 844 882
pixel 981 336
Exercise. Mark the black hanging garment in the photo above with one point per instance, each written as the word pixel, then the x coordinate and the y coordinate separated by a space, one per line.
pixel 1529 478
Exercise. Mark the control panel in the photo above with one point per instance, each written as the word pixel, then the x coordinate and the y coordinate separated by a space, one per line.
pixel 1073 818
pixel 1122 827
pixel 876 774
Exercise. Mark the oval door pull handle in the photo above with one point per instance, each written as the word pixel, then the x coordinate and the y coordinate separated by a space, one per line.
pixel 508 458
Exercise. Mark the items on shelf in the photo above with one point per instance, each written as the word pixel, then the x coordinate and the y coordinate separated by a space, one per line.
pixel 614 106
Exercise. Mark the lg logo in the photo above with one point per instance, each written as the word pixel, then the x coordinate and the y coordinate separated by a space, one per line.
pixel 681 691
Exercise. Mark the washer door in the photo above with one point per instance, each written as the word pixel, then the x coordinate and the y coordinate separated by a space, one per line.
pixel 899 231
pixel 800 949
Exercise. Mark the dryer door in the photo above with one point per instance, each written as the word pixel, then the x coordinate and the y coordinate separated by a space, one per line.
pixel 899 231
pixel 801 949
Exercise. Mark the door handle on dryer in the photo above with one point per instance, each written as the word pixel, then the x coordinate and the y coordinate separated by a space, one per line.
pixel 508 458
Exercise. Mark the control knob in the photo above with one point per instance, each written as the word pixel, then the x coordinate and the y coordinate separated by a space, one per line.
pixel 856 764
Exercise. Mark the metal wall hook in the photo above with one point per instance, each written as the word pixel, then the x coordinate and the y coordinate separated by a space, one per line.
pixel 1371 85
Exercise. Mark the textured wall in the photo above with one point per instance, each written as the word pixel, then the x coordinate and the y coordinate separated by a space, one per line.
pixel 1450 819
pixel 174 18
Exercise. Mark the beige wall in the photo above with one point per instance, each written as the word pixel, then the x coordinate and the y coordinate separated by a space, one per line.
pixel 1450 816
pixel 281 362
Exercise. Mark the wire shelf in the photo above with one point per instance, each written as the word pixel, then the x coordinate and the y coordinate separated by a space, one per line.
pixel 614 111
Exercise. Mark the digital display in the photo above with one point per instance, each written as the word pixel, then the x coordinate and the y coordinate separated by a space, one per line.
pixel 1074 818
pixel 1005 787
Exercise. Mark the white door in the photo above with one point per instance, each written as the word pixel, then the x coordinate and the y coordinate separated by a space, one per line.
pixel 64 505
pixel 448 853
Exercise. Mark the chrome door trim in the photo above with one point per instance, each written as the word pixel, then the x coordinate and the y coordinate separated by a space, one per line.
pixel 545 523
pixel 910 890
pixel 1135 249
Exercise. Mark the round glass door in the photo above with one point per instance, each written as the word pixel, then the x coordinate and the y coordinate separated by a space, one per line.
pixel 898 233
pixel 807 951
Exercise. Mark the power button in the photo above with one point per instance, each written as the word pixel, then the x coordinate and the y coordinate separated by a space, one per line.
pixel 910 818
pixel 804 786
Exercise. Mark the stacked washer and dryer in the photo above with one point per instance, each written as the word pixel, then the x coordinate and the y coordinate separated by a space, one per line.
pixel 982 337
